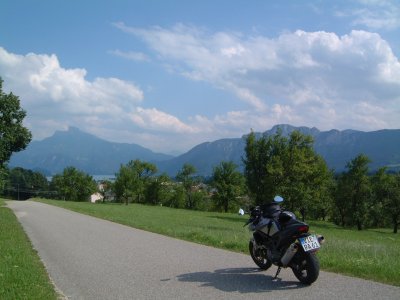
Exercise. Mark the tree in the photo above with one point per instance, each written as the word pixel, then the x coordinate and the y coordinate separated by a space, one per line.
pixel 175 196
pixel 25 184
pixel 393 203
pixel 306 178
pixel 14 136
pixel 263 166
pixel 123 185
pixel 342 201
pixel 381 190
pixel 3 178
pixel 386 188
pixel 229 184
pixel 185 175
pixel 132 180
pixel 159 190
pixel 73 185
pixel 288 166
pixel 142 172
pixel 355 188
pixel 320 205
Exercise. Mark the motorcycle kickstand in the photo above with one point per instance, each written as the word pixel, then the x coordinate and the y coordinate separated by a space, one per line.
pixel 277 273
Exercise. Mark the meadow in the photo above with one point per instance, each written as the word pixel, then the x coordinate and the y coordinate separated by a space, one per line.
pixel 370 254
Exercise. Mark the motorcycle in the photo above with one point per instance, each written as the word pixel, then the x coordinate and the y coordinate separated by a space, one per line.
pixel 282 240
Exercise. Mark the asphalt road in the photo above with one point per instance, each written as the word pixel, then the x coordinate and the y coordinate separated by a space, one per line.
pixel 89 258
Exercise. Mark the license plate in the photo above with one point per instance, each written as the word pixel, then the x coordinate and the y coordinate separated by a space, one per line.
pixel 310 243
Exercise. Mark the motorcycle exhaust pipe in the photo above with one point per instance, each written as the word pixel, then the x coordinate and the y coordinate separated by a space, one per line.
pixel 321 239
pixel 290 252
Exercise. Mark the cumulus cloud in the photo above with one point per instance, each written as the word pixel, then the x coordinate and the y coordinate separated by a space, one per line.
pixel 56 98
pixel 310 78
pixel 316 79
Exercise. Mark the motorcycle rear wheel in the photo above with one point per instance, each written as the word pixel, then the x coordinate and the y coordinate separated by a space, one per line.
pixel 305 267
pixel 259 256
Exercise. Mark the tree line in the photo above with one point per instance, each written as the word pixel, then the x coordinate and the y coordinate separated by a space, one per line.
pixel 290 167
pixel 136 182
pixel 284 165
pixel 277 164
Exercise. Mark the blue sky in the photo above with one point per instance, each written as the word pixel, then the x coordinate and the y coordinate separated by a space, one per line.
pixel 169 75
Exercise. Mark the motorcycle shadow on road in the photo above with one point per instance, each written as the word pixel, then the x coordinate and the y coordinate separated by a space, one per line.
pixel 242 280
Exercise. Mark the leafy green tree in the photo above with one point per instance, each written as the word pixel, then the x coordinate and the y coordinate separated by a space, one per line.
pixel 143 171
pixel 288 166
pixel 201 199
pixel 319 202
pixel 3 178
pixel 229 184
pixel 386 189
pixel 73 185
pixel 25 184
pixel 393 203
pixel 381 190
pixel 186 176
pixel 132 180
pixel 160 190
pixel 264 166
pixel 14 136
pixel 342 201
pixel 176 196
pixel 124 184
pixel 357 189
pixel 306 178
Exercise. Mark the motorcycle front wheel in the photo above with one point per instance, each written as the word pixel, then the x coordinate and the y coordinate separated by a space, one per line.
pixel 305 267
pixel 259 256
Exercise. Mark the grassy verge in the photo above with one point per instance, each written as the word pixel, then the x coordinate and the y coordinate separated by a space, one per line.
pixel 22 275
pixel 370 254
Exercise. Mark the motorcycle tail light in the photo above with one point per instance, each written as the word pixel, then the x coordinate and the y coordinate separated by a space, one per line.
pixel 303 229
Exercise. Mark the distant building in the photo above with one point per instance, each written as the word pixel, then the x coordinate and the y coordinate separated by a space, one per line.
pixel 96 197
pixel 104 194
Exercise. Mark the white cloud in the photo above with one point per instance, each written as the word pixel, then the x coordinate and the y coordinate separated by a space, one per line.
pixel 55 97
pixel 316 79
pixel 154 119
pixel 307 78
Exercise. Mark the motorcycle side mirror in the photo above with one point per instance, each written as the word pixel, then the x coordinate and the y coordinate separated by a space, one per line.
pixel 278 199
pixel 241 212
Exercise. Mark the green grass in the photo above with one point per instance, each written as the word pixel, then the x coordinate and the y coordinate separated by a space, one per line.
pixel 369 254
pixel 22 274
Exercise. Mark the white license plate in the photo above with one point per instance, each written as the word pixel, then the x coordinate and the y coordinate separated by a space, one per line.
pixel 310 243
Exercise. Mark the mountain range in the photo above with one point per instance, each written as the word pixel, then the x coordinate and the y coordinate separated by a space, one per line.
pixel 82 150
pixel 96 156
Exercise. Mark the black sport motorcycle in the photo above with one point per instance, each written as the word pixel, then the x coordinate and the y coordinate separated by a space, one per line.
pixel 280 239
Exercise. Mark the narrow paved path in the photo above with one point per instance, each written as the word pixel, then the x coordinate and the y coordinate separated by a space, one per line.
pixel 89 258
